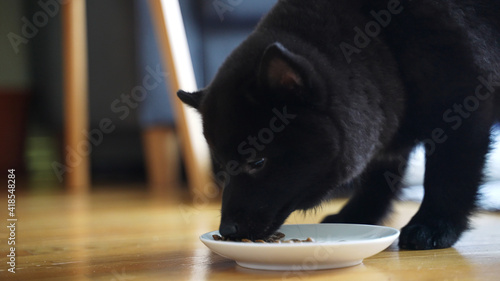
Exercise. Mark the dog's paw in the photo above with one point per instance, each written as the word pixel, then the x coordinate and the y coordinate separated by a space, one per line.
pixel 419 236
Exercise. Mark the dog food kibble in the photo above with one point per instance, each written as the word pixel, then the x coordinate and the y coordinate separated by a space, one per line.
pixel 275 238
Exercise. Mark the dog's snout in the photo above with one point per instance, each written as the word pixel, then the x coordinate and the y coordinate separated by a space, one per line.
pixel 228 229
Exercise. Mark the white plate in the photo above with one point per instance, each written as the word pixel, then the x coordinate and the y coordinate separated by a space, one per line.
pixel 335 246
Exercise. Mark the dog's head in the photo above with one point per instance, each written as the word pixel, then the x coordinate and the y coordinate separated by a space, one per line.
pixel 268 126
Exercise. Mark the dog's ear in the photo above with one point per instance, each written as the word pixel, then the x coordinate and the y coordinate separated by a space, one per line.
pixel 281 69
pixel 191 99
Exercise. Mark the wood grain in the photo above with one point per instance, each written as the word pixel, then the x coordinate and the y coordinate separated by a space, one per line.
pixel 129 235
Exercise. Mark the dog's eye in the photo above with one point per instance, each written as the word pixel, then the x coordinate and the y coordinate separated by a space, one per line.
pixel 255 166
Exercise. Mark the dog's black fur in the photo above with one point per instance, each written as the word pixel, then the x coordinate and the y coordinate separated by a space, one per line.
pixel 309 104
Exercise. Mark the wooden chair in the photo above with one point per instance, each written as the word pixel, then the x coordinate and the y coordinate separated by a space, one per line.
pixel 171 36
pixel 77 178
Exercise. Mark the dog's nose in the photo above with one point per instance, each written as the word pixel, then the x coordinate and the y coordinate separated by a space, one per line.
pixel 228 229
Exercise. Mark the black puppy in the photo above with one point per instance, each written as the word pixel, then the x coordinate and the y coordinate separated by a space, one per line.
pixel 336 94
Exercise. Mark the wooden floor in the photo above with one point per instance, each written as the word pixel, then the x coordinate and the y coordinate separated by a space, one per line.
pixel 131 235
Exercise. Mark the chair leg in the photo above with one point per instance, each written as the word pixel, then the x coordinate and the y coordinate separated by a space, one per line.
pixel 75 95
pixel 167 19
pixel 162 159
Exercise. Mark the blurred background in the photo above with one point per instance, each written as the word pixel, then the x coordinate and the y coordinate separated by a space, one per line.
pixel 122 50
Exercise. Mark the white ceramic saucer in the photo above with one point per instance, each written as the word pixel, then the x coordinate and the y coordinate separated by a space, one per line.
pixel 335 246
